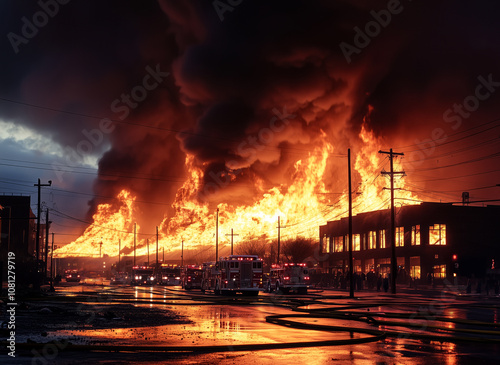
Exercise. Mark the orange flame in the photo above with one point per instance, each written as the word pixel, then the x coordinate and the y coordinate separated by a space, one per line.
pixel 300 206
pixel 110 224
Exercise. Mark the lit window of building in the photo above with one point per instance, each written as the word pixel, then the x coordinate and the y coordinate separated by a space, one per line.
pixel 415 235
pixel 382 238
pixel 437 234
pixel 338 244
pixel 400 236
pixel 356 244
pixel 326 244
pixel 415 267
pixel 372 240
pixel 439 271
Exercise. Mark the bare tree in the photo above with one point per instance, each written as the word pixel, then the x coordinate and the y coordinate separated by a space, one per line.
pixel 251 248
pixel 298 249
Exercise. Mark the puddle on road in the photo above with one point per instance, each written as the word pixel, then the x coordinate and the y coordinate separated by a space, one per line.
pixel 230 325
pixel 212 325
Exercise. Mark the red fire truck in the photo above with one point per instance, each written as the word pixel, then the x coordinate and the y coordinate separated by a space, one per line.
pixel 234 274
pixel 169 275
pixel 210 275
pixel 287 277
pixel 72 275
pixel 191 277
pixel 142 275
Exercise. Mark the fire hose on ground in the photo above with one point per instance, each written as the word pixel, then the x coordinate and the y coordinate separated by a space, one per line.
pixel 349 312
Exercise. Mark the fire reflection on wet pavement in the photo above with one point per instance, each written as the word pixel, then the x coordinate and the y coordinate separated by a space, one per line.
pixel 413 324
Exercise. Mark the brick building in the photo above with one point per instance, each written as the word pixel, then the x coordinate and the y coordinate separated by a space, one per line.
pixel 440 239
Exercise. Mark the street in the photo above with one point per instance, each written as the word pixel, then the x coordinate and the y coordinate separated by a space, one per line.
pixel 167 324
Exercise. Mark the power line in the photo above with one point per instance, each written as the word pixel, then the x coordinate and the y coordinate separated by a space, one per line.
pixel 478 159
pixel 443 139
pixel 460 150
pixel 123 121
pixel 455 177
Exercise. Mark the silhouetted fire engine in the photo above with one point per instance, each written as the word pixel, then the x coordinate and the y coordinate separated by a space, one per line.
pixel 72 276
pixel 288 277
pixel 192 277
pixel 142 275
pixel 234 274
pixel 169 275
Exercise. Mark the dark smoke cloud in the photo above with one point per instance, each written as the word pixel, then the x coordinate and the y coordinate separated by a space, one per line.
pixel 80 62
pixel 286 53
pixel 229 77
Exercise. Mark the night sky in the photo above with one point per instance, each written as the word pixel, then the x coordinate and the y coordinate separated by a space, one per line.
pixel 101 95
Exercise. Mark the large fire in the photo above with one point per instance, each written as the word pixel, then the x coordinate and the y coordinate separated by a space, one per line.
pixel 301 207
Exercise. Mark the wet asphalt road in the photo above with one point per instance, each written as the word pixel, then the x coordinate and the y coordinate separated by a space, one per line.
pixel 233 321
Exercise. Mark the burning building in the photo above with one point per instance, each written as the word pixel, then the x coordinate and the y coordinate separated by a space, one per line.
pixel 439 239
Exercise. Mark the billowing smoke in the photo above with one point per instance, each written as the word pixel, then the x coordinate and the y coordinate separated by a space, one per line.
pixel 247 87
pixel 244 65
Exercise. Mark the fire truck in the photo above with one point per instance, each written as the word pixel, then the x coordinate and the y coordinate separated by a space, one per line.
pixel 72 276
pixel 234 274
pixel 191 277
pixel 210 275
pixel 142 275
pixel 288 277
pixel 169 275
pixel 120 278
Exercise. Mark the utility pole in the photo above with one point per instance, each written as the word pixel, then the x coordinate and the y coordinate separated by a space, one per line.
pixel 135 226
pixel 52 264
pixel 279 234
pixel 393 222
pixel 147 246
pixel 182 254
pixel 232 234
pixel 157 247
pixel 37 241
pixel 351 268
pixel 100 248
pixel 119 249
pixel 217 237
pixel 47 226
